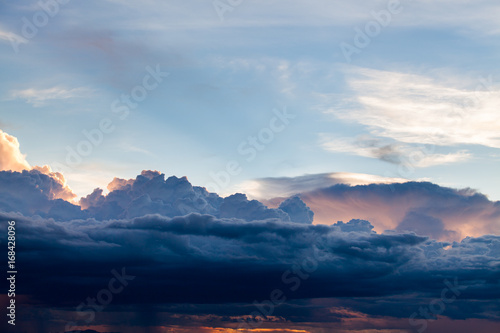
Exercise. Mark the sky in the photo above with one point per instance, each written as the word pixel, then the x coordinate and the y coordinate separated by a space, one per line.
pixel 415 101
pixel 269 166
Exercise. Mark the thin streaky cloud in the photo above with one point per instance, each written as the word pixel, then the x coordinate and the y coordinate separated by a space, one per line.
pixel 418 109
pixel 395 153
pixel 40 97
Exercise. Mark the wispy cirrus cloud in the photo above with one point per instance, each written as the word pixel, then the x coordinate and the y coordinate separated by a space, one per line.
pixel 392 152
pixel 418 109
pixel 10 36
pixel 40 97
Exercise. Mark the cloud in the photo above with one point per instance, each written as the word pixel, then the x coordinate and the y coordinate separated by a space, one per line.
pixel 12 37
pixel 11 157
pixel 185 245
pixel 151 193
pixel 423 224
pixel 395 153
pixel 268 188
pixel 35 193
pixel 119 183
pixel 297 210
pixel 40 97
pixel 198 258
pixel 441 113
pixel 425 208
pixel 238 206
pixel 61 190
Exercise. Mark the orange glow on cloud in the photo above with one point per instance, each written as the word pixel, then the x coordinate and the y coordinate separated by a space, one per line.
pixel 11 159
pixel 10 154
pixel 386 215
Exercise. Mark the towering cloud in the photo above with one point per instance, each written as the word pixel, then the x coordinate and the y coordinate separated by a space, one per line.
pixel 151 193
pixel 424 208
pixel 11 157
pixel 35 193
pixel 183 245
pixel 297 210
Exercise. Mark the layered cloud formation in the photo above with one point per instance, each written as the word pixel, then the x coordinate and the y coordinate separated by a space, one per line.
pixel 380 253
pixel 198 258
pixel 422 207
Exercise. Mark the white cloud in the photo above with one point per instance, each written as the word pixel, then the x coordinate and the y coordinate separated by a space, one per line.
pixel 418 109
pixel 11 157
pixel 12 37
pixel 39 97
pixel 396 153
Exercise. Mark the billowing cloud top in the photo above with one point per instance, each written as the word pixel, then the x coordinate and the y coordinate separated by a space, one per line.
pixel 182 244
pixel 11 159
pixel 10 155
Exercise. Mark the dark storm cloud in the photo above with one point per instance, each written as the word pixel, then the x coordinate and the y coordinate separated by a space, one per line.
pixel 198 248
pixel 200 258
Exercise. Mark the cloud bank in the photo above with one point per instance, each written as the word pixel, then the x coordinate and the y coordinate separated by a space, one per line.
pixel 197 259
pixel 187 248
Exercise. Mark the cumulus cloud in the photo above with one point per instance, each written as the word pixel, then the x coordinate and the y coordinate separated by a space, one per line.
pixel 119 183
pixel 61 189
pixel 11 157
pixel 238 206
pixel 297 210
pixel 425 208
pixel 35 193
pixel 185 245
pixel 151 193
pixel 422 207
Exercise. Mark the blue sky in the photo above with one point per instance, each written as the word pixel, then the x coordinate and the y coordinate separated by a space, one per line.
pixel 418 101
